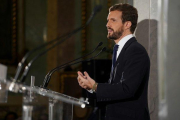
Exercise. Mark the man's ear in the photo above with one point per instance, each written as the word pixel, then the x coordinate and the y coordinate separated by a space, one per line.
pixel 128 24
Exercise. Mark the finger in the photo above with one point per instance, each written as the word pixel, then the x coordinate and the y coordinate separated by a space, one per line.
pixel 87 75
pixel 81 78
pixel 80 73
pixel 80 84
pixel 85 87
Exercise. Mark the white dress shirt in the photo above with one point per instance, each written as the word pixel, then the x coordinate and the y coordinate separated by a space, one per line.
pixel 122 42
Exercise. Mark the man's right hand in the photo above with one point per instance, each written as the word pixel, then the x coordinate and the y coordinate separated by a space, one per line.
pixel 85 81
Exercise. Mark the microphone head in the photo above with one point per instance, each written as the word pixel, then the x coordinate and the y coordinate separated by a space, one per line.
pixel 100 44
pixel 97 8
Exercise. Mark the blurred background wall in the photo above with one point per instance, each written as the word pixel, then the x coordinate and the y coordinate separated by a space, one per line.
pixel 27 24
pixel 168 59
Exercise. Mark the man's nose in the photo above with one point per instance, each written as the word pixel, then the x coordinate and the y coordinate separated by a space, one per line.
pixel 108 24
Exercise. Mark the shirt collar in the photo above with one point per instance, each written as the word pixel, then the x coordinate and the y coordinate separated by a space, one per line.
pixel 124 40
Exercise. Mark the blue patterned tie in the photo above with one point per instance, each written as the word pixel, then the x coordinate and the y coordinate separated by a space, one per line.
pixel 114 54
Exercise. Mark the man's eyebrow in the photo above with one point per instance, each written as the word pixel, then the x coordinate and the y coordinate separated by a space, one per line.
pixel 111 19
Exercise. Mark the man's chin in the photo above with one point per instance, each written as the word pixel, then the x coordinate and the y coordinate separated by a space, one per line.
pixel 111 38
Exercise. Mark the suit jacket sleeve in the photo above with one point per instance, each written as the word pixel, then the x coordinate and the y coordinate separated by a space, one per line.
pixel 136 64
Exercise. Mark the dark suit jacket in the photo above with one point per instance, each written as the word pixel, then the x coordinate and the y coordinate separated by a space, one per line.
pixel 125 95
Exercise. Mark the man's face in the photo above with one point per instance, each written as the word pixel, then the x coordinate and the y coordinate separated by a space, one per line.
pixel 114 25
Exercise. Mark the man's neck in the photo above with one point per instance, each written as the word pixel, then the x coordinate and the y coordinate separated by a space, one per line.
pixel 123 35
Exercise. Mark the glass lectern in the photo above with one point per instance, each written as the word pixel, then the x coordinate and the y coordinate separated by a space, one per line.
pixel 37 99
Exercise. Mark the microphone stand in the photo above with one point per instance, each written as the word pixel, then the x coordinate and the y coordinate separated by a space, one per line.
pixel 22 79
pixel 48 76
pixel 21 64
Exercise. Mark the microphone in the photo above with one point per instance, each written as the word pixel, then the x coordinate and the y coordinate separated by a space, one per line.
pixel 79 57
pixel 97 9
pixel 48 76
pixel 66 36
pixel 22 79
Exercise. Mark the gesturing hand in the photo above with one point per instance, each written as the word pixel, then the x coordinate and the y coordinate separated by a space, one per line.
pixel 85 81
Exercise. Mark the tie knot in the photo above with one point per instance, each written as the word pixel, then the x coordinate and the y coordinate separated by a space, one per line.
pixel 116 47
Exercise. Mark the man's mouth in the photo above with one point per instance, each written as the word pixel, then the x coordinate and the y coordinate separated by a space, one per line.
pixel 110 30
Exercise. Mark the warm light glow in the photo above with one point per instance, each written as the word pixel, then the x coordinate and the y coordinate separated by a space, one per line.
pixel 83 106
pixel 26 67
pixel 23 88
pixel 20 64
pixel 11 87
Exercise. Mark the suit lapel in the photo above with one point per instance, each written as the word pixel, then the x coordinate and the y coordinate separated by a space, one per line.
pixel 119 61
pixel 128 43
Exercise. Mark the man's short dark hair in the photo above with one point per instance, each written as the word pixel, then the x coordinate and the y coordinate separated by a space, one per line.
pixel 129 13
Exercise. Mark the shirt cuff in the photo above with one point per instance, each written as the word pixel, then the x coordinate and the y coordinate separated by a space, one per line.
pixel 90 91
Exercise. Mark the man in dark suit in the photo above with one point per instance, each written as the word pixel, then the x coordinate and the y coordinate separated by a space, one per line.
pixel 125 95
